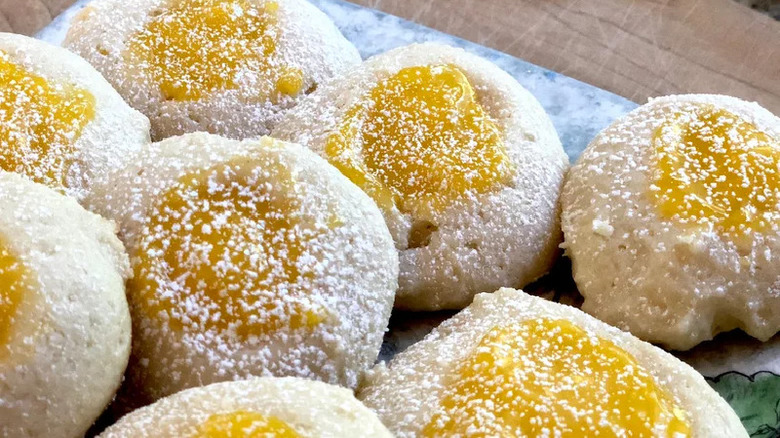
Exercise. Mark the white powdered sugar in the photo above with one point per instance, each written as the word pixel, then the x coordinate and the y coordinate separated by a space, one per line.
pixel 63 124
pixel 505 233
pixel 689 185
pixel 65 339
pixel 250 258
pixel 263 405
pixel 424 391
pixel 229 68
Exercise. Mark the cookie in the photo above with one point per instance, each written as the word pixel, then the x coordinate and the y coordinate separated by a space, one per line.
pixel 225 67
pixel 512 364
pixel 279 407
pixel 671 221
pixel 61 123
pixel 462 160
pixel 64 320
pixel 250 258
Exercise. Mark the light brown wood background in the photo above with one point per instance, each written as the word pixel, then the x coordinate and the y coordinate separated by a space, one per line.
pixel 29 16
pixel 635 48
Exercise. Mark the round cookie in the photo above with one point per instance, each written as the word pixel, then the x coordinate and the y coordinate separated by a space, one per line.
pixel 671 220
pixel 225 67
pixel 269 406
pixel 251 257
pixel 512 364
pixel 463 162
pixel 61 123
pixel 64 321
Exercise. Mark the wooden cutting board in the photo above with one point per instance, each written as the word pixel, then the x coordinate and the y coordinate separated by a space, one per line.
pixel 636 49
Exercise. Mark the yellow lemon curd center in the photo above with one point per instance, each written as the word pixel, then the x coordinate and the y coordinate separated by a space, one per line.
pixel 40 122
pixel 548 377
pixel 225 249
pixel 15 286
pixel 419 141
pixel 245 424
pixel 195 47
pixel 715 169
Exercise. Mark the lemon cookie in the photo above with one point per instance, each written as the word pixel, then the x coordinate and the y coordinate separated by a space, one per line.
pixel 512 364
pixel 61 123
pixel 226 67
pixel 64 320
pixel 250 258
pixel 671 220
pixel 463 162
pixel 259 407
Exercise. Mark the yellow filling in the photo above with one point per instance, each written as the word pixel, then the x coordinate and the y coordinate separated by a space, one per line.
pixel 551 378
pixel 715 169
pixel 419 141
pixel 40 122
pixel 226 249
pixel 196 47
pixel 244 424
pixel 15 286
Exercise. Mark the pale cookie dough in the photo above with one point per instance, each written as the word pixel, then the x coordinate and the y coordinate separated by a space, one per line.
pixel 279 407
pixel 671 220
pixel 64 320
pixel 229 67
pixel 512 364
pixel 61 123
pixel 462 160
pixel 251 257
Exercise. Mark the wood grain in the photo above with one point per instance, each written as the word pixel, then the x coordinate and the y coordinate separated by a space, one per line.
pixel 635 48
pixel 29 16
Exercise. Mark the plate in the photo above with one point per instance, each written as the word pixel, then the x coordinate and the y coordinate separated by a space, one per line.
pixel 744 371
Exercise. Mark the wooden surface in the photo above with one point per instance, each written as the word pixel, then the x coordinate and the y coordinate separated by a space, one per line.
pixel 29 16
pixel 637 49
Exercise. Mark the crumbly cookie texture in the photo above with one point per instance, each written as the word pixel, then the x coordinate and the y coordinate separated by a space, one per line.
pixel 512 364
pixel 251 257
pixel 64 320
pixel 463 162
pixel 225 67
pixel 288 407
pixel 61 123
pixel 671 220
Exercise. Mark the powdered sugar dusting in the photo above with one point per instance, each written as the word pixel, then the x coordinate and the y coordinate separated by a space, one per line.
pixel 195 47
pixel 718 171
pixel 251 258
pixel 279 407
pixel 467 172
pixel 247 424
pixel 40 122
pixel 690 186
pixel 62 276
pixel 546 377
pixel 512 364
pixel 420 141
pixel 62 123
pixel 226 67
pixel 226 252
pixel 16 286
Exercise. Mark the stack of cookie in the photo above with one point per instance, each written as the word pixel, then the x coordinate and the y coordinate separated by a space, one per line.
pixel 227 181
